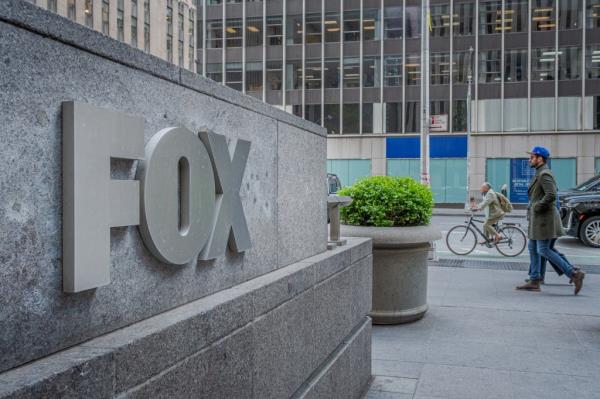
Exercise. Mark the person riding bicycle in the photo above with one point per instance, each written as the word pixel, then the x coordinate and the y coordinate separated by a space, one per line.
pixel 493 212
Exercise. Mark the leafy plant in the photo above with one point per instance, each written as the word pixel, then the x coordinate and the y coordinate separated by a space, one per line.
pixel 385 201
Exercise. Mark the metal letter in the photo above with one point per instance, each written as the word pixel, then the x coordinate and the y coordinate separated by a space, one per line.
pixel 92 202
pixel 230 222
pixel 178 195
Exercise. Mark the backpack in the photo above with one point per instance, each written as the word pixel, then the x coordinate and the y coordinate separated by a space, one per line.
pixel 505 204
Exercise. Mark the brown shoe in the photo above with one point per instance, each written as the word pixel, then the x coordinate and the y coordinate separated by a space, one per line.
pixel 530 286
pixel 577 278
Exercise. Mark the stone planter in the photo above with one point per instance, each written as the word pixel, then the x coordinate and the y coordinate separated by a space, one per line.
pixel 399 270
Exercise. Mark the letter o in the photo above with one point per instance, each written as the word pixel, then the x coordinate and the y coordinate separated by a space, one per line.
pixel 177 196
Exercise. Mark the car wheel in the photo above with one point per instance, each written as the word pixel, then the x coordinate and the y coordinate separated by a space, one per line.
pixel 590 232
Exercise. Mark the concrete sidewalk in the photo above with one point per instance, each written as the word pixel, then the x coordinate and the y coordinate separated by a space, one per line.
pixel 482 339
pixel 516 213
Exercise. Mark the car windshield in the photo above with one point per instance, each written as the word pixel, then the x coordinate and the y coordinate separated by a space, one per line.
pixel 585 186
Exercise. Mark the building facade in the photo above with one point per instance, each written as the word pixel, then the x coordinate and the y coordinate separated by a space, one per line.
pixel 164 28
pixel 354 66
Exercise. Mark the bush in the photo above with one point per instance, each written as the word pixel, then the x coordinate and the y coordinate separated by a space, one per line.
pixel 385 201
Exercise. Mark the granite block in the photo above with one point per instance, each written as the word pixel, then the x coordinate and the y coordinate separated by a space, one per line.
pixel 364 248
pixel 326 265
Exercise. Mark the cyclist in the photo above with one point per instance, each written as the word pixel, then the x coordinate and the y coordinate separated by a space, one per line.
pixel 493 212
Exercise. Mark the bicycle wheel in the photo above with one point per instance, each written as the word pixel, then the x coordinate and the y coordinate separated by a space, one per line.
pixel 461 240
pixel 513 241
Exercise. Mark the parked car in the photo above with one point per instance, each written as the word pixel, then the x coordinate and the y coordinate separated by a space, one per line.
pixel 333 183
pixel 588 186
pixel 581 217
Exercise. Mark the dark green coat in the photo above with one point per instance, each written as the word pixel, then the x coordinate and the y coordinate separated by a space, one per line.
pixel 544 219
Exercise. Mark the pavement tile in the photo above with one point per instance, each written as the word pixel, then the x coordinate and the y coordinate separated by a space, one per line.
pixel 388 395
pixel 552 386
pixel 396 368
pixel 394 384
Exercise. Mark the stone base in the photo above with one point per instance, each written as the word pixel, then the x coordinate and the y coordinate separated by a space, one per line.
pixel 400 316
pixel 301 331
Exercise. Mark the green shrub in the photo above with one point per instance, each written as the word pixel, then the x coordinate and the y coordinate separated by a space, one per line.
pixel 385 201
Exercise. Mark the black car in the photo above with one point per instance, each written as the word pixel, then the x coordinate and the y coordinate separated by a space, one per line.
pixel 581 217
pixel 589 186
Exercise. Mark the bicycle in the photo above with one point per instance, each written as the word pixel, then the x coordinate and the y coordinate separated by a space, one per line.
pixel 463 239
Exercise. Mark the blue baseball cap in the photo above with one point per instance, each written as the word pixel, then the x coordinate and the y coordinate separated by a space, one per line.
pixel 541 151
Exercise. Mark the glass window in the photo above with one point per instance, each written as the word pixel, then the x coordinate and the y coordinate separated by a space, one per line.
pixel 351 119
pixel 489 115
pixel 213 2
pixel 393 117
pixel 413 21
pixel 89 12
pixel 351 73
pixel 393 22
pixel 274 75
pixel 542 64
pixel 191 38
pixel 569 113
pixel 440 69
pixel 71 12
pixel 367 118
pixel 254 31
pixel 233 75
pixel 120 17
pixel 596 113
pixel 134 31
pixel 313 28
pixel 459 116
pixel 297 110
pixel 233 32
pixel 294 29
pixel 332 73
pixel 543 16
pixel 440 20
pixel 105 16
pixel 463 19
pixel 593 14
pixel 371 25
pixel 490 63
pixel 439 107
pixel 542 113
pixel 181 33
pixel 214 34
pixel 332 27
pixel 593 62
pixel 515 114
pixel 332 118
pixel 460 70
pixel 147 26
pixel 371 71
pixel 294 74
pixel 490 21
pixel 312 80
pixel 413 70
pixel 515 65
pixel 351 26
pixel 413 117
pixel 215 72
pixel 312 112
pixel 569 63
pixel 516 16
pixel 52 5
pixel 569 14
pixel 254 77
pixel 274 31
pixel 393 70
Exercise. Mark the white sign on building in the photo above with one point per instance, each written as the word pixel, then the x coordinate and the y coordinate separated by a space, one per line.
pixel 438 123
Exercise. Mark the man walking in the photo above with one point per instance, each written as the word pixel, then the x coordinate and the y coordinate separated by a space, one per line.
pixel 493 212
pixel 544 223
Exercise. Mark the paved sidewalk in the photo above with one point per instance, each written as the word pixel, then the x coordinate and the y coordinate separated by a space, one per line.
pixel 482 339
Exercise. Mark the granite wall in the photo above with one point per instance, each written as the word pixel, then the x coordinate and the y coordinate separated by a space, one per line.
pixel 45 60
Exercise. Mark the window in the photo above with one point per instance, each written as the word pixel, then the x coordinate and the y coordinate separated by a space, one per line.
pixel 490 17
pixel 569 113
pixel 105 16
pixel 542 64
pixel 332 73
pixel 294 29
pixel 542 113
pixel 351 26
pixel 371 71
pixel 120 20
pixel 460 71
pixel 569 14
pixel 332 27
pixel 439 107
pixel 393 70
pixel 593 14
pixel 170 30
pixel 440 20
pixel 312 113
pixel 297 110
pixel 134 31
pixel 274 75
pixel 459 116
pixel 569 63
pixel 393 117
pixel 351 119
pixel 332 118
pixel 213 2
pixel 89 13
pixel 489 116
pixel 294 75
pixel 254 78
pixel 233 75
pixel 543 15
pixel 371 25
pixel 52 5
pixel 392 22
pixel 71 11
pixel 593 62
pixel 191 38
pixel 413 70
pixel 367 118
pixel 313 28
pixel 516 15
pixel 312 79
pixel 214 34
pixel 215 72
pixel 596 113
pixel 440 69
pixel 233 33
pixel 254 29
pixel 351 73
pixel 147 26
pixel 490 66
pixel 515 114
pixel 515 65
pixel 463 19
pixel 274 31
pixel 413 21
pixel 412 123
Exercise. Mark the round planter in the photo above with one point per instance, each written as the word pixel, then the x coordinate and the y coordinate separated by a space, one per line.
pixel 399 270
